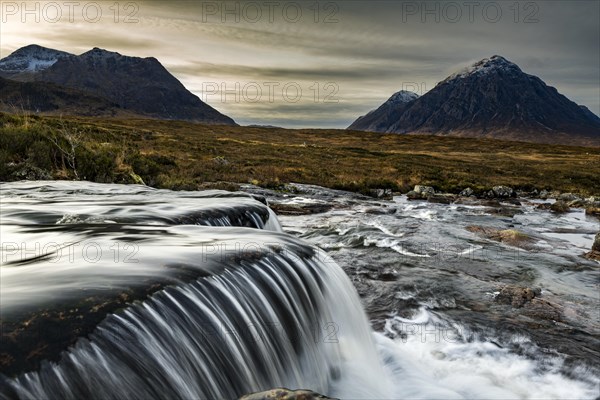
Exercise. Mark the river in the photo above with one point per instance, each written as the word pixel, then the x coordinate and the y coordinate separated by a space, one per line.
pixel 114 291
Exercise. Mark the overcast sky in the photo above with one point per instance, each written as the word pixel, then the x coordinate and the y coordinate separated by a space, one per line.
pixel 309 64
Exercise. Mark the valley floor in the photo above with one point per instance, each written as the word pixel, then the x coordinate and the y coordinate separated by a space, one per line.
pixel 181 155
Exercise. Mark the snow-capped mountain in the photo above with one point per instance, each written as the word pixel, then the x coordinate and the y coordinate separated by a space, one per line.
pixel 491 98
pixel 402 97
pixel 386 114
pixel 494 64
pixel 136 85
pixel 30 59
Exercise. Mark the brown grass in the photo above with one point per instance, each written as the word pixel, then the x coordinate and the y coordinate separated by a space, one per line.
pixel 339 158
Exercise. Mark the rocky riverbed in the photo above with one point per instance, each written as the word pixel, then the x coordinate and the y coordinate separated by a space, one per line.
pixel 518 272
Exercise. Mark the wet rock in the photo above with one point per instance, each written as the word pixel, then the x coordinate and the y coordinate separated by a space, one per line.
pixel 559 206
pixel 595 253
pixel 380 210
pixel 468 192
pixel 514 237
pixel 387 275
pixel 593 210
pixel 511 237
pixel 424 191
pixel 577 203
pixel 381 193
pixel 300 209
pixel 502 191
pixel 504 211
pixel 441 199
pixel 412 195
pixel 543 206
pixel 284 394
pixel 517 296
pixel 513 201
pixel 542 309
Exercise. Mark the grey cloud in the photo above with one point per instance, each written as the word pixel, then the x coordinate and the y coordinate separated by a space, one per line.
pixel 371 52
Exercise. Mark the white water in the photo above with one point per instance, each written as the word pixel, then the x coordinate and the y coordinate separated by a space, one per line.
pixel 284 314
pixel 438 360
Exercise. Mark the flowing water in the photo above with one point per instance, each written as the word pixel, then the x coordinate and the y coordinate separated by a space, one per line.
pixel 111 291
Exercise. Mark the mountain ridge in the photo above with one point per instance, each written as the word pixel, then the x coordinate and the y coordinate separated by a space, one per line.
pixel 491 98
pixel 141 86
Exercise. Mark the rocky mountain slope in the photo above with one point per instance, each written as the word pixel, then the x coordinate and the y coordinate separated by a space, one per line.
pixel 48 98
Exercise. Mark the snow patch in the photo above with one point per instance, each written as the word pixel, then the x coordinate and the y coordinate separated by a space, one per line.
pixel 485 66
pixel 403 96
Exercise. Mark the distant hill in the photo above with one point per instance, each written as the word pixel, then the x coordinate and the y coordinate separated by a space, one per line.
pixel 491 98
pixel 138 85
pixel 387 114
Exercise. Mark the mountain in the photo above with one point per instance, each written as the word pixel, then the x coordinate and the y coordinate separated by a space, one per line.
pixel 28 60
pixel 389 112
pixel 491 98
pixel 48 98
pixel 138 85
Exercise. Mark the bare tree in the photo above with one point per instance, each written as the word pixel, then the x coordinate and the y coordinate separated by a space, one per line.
pixel 73 138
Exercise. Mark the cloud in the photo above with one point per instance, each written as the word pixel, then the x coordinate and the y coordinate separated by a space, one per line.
pixel 375 48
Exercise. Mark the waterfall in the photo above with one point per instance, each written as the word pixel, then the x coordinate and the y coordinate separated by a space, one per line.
pixel 286 319
pixel 253 308
pixel 128 292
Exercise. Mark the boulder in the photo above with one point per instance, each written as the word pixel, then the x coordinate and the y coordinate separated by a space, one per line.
pixel 514 237
pixel 467 192
pixel 412 195
pixel 424 191
pixel 517 296
pixel 511 237
pixel 284 394
pixel 595 253
pixel 593 210
pixel 502 191
pixel 381 193
pixel 559 206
